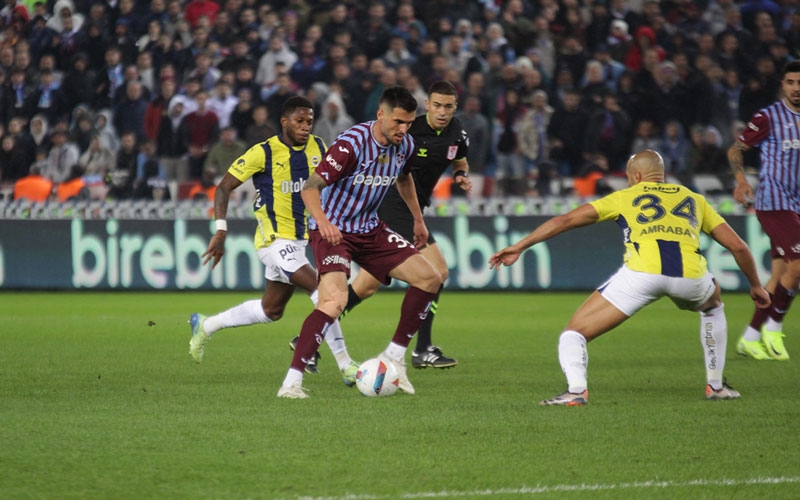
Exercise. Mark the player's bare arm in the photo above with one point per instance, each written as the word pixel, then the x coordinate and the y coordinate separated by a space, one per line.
pixel 462 181
pixel 405 187
pixel 727 237
pixel 216 247
pixel 743 192
pixel 311 194
pixel 581 216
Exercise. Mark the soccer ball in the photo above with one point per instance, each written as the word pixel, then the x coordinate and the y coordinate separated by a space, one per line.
pixel 376 377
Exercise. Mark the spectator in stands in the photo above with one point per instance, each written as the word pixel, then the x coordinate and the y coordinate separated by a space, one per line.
pixel 97 159
pixel 77 82
pixel 308 67
pixel 82 130
pixel 14 161
pixel 239 56
pixel 646 136
pixel 594 87
pixel 338 22
pixel 198 131
pixel 398 54
pixel 63 155
pixel 109 78
pixel 120 180
pixel 130 111
pixel 274 103
pixel 375 32
pixel 74 187
pixel 476 125
pixel 105 129
pixel 222 102
pixel 710 157
pixel 19 94
pixel 566 134
pixel 242 114
pixel 261 128
pixel 278 52
pixel 204 71
pixel 225 151
pixel 33 187
pixel 510 171
pixel 645 39
pixel 533 135
pixel 24 142
pixel 200 8
pixel 39 132
pixel 608 132
pixel 157 108
pixel 333 119
pixel 206 187
pixel 169 144
pixel 152 185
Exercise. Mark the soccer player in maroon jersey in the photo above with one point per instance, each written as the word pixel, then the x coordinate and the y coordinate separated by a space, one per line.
pixel 775 130
pixel 342 198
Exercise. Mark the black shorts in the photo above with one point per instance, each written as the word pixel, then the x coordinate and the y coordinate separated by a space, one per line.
pixel 395 213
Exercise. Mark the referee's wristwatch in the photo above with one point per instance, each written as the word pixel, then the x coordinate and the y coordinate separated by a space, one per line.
pixel 460 173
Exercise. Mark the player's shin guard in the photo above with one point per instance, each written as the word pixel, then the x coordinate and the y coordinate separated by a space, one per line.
pixel 415 308
pixel 574 359
pixel 311 335
pixel 714 337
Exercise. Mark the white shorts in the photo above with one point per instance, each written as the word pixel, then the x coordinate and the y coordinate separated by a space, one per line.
pixel 630 291
pixel 282 258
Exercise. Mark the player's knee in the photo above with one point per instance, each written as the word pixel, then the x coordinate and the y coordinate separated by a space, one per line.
pixel 431 281
pixel 444 274
pixel 274 312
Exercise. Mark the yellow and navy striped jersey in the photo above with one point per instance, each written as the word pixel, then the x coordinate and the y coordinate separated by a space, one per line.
pixel 661 224
pixel 279 171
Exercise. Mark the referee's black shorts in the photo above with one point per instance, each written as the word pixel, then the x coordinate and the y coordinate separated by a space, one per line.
pixel 395 213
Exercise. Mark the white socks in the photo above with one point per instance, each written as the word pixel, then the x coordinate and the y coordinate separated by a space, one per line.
pixel 714 338
pixel 574 359
pixel 751 334
pixel 395 352
pixel 293 376
pixel 246 313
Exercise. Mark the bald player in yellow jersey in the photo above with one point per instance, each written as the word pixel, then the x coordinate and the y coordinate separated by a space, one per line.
pixel 279 167
pixel 661 225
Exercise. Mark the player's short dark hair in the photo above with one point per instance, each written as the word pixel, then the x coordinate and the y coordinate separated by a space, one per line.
pixel 791 67
pixel 399 97
pixel 442 87
pixel 293 103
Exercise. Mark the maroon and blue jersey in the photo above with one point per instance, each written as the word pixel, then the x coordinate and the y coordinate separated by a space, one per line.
pixel 359 173
pixel 775 130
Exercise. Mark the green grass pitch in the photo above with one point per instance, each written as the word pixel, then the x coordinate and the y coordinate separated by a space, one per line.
pixel 100 400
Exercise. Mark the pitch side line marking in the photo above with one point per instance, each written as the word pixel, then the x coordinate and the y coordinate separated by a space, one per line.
pixel 534 490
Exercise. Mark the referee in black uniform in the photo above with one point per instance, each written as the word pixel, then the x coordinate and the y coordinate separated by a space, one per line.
pixel 441 142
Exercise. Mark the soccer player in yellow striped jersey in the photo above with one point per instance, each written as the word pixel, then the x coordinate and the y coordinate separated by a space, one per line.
pixel 279 167
pixel 661 224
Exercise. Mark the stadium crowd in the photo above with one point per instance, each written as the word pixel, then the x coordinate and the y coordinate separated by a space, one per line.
pixel 151 100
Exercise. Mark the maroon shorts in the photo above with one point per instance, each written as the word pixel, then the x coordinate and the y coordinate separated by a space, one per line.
pixel 783 229
pixel 377 252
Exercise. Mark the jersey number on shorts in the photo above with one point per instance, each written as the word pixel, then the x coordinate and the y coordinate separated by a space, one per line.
pixel 398 240
pixel 653 210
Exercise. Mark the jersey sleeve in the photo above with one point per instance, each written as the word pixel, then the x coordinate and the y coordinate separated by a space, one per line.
pixel 711 218
pixel 250 163
pixel 608 207
pixel 463 146
pixel 340 160
pixel 757 129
